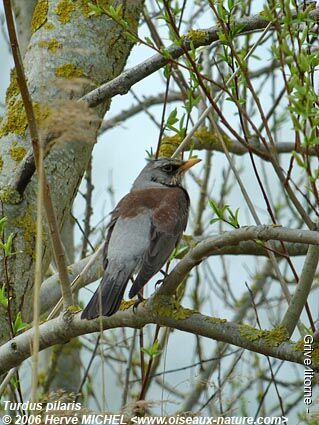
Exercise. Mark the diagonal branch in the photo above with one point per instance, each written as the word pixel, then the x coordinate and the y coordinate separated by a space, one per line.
pixel 140 107
pixel 213 244
pixel 122 83
pixel 299 299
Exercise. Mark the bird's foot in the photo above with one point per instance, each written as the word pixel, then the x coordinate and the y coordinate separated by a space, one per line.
pixel 137 302
pixel 159 282
pixel 164 273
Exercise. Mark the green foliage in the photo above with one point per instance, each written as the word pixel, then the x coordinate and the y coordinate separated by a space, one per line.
pixel 177 252
pixel 225 214
pixel 6 245
pixel 3 298
pixel 3 221
pixel 18 324
pixel 172 120
pixel 150 153
pixel 95 10
pixel 153 351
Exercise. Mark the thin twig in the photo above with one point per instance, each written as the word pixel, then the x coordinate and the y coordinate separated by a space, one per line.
pixel 86 373
pixel 210 108
pixel 38 153
pixel 140 107
pixel 268 359
pixel 128 370
pixel 76 282
pixel 7 380
pixel 122 83
pixel 88 209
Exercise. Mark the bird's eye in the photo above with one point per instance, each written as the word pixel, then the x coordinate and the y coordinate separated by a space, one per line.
pixel 168 168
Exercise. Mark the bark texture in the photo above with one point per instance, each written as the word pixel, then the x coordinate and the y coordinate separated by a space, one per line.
pixel 23 11
pixel 70 52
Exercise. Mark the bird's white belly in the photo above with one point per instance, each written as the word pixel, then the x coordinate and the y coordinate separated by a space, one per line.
pixel 129 241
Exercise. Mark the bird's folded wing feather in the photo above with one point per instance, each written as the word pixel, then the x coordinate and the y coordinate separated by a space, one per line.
pixel 168 221
pixel 110 227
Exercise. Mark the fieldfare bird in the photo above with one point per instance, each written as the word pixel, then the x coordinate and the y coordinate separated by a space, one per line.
pixel 145 227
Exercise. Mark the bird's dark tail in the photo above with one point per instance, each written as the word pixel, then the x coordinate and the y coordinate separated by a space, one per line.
pixel 107 298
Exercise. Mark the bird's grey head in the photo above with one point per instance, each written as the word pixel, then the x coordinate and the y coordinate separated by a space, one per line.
pixel 163 172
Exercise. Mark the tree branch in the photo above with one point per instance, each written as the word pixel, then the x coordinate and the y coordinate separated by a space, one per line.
pixel 157 310
pixel 164 313
pixel 122 83
pixel 135 109
pixel 213 244
pixel 228 243
pixel 211 142
pixel 302 291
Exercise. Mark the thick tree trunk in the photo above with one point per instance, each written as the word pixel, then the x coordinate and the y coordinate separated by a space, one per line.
pixel 67 44
pixel 23 11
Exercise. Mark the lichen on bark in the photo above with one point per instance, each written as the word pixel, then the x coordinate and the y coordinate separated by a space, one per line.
pixel 17 152
pixel 92 52
pixel 52 45
pixel 69 71
pixel 39 15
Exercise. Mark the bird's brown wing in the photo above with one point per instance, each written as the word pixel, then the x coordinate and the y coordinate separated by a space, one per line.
pixel 169 220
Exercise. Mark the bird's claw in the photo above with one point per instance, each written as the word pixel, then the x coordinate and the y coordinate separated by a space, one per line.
pixel 137 302
pixel 159 282
pixel 164 273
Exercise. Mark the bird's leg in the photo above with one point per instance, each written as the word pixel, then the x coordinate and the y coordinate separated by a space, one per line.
pixel 164 273
pixel 160 281
pixel 140 299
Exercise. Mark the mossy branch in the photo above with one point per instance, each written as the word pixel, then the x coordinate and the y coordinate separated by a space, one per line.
pixel 272 343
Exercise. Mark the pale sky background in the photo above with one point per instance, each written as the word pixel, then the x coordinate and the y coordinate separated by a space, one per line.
pixel 120 153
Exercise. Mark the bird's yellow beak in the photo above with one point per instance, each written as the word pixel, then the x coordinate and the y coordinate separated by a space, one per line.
pixel 188 164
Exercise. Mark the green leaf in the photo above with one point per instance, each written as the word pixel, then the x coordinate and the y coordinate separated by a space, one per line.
pixel 231 4
pixel 177 252
pixel 3 299
pixel 95 10
pixel 150 153
pixel 303 62
pixel 3 221
pixel 167 71
pixel 233 218
pixel 18 324
pixel 298 159
pixel 153 351
pixel 8 245
pixel 314 141
pixel 131 37
pixel 172 118
pixel 149 41
pixel 165 53
pixel 220 211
